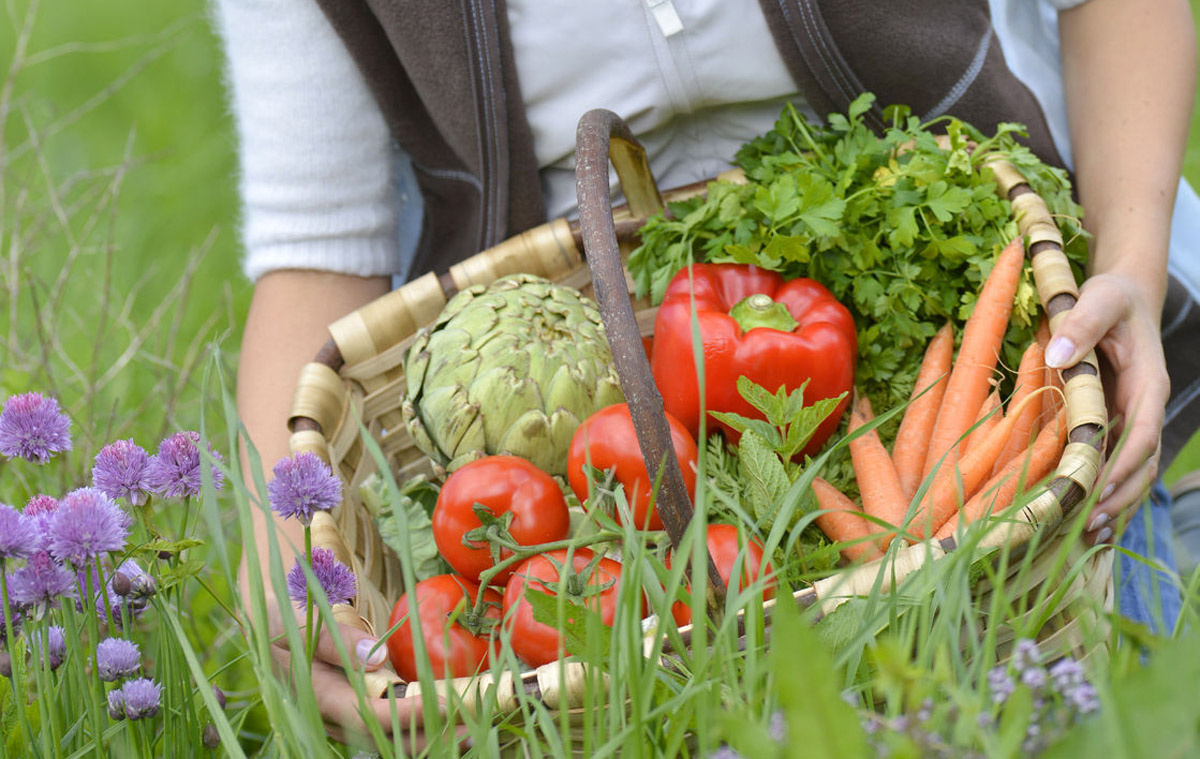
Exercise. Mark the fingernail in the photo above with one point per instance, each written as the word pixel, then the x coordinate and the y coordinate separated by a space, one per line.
pixel 1098 521
pixel 1104 535
pixel 1108 490
pixel 1059 352
pixel 366 656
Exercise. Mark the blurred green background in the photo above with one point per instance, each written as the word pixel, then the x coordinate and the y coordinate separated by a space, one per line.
pixel 127 92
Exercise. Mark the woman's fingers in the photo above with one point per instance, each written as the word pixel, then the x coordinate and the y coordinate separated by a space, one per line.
pixel 339 705
pixel 1111 318
pixel 1082 328
pixel 365 650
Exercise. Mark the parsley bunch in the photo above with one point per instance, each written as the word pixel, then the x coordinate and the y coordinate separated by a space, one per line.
pixel 899 229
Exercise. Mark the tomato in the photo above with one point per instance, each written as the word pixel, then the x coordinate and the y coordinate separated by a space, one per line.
pixel 535 643
pixel 724 546
pixel 507 485
pixel 453 648
pixel 608 441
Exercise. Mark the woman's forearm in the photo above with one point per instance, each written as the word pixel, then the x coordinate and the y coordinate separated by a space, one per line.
pixel 1129 68
pixel 287 325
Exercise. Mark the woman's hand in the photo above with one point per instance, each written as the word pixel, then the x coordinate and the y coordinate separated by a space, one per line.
pixel 1114 317
pixel 336 698
pixel 1129 69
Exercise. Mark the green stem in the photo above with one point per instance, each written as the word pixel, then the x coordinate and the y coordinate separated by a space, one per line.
pixel 183 521
pixel 311 647
pixel 520 553
pixel 93 628
pixel 49 712
pixel 17 682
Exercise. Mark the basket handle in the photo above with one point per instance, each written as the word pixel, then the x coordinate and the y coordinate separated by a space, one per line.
pixel 602 136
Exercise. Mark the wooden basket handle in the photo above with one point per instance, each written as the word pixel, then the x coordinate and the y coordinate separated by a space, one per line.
pixel 602 136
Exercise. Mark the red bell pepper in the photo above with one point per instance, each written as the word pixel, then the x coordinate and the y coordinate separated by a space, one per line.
pixel 752 323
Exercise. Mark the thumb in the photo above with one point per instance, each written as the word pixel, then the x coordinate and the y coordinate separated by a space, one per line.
pixel 364 649
pixel 1083 326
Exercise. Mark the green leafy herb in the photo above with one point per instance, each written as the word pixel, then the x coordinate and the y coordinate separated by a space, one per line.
pixel 901 229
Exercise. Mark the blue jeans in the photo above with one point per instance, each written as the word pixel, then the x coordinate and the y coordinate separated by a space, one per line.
pixel 1146 594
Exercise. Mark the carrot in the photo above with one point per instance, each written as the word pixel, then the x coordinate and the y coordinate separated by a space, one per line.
pixel 977 356
pixel 1042 332
pixel 912 439
pixel 842 522
pixel 882 494
pixel 972 470
pixel 989 417
pixel 1051 402
pixel 1000 491
pixel 1031 375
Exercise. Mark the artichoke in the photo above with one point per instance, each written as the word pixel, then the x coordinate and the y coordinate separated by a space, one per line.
pixel 514 368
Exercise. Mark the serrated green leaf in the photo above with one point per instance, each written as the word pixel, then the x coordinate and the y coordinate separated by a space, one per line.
pixel 765 476
pixel 803 425
pixel 579 625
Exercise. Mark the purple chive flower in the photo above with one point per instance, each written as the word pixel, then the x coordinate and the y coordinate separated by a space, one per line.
pixel 40 582
pixel 117 658
pixel 303 485
pixel 143 696
pixel 121 471
pixel 41 504
pixel 38 511
pixel 116 704
pixel 33 428
pixel 335 578
pixel 174 472
pixel 86 525
pixel 55 649
pixel 19 536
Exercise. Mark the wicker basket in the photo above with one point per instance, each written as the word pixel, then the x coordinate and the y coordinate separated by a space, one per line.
pixel 358 378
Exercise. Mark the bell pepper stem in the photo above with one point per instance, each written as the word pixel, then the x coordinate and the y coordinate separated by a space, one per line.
pixel 759 310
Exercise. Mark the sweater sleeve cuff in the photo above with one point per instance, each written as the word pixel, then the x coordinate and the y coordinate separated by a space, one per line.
pixel 361 257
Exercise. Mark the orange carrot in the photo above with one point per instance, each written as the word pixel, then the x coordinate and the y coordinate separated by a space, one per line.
pixel 882 495
pixel 1000 491
pixel 912 439
pixel 972 470
pixel 1051 402
pixel 983 335
pixel 1031 375
pixel 1042 332
pixel 989 417
pixel 842 522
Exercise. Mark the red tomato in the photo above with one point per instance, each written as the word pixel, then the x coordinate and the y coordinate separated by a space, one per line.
pixel 452 648
pixel 505 484
pixel 607 440
pixel 723 546
pixel 537 644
